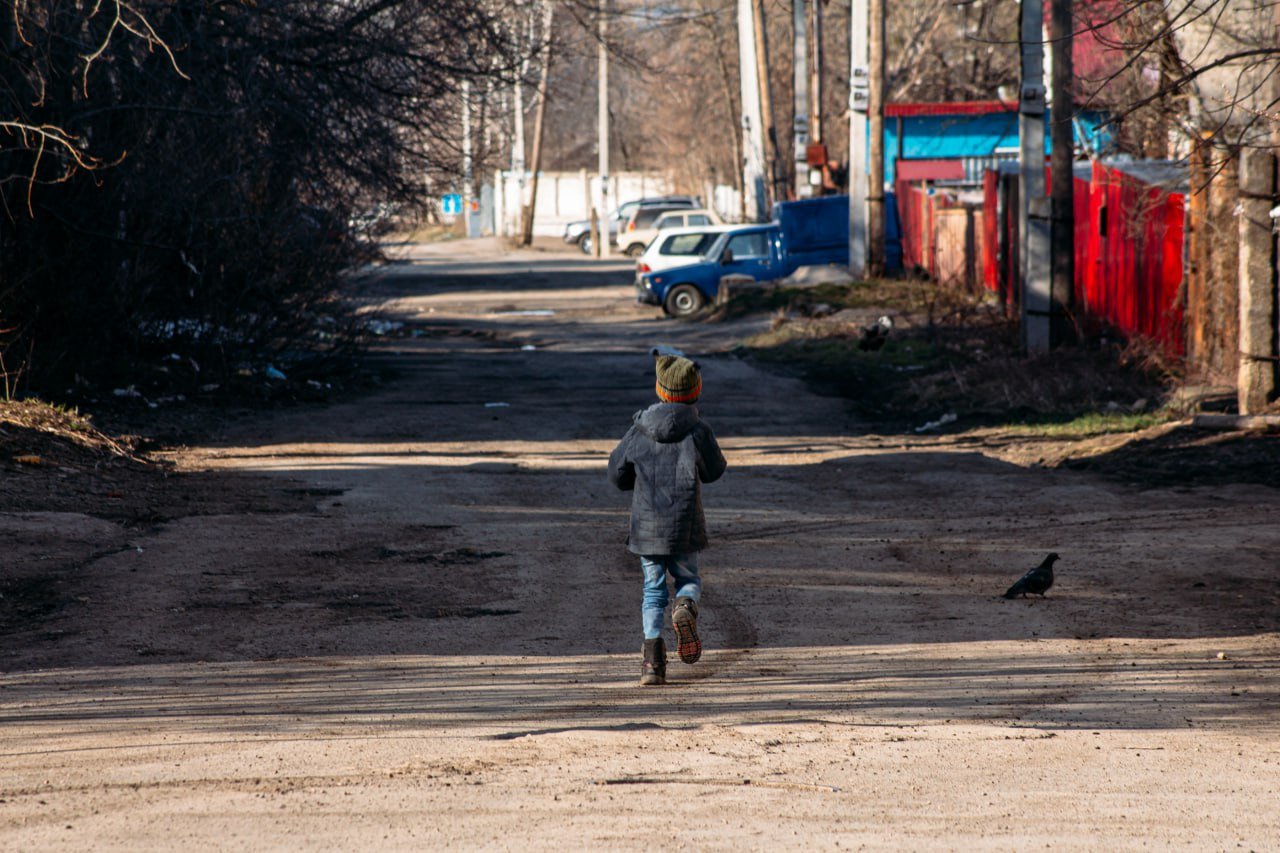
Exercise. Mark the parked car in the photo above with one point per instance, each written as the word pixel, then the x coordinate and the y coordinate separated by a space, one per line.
pixel 579 231
pixel 636 231
pixel 678 247
pixel 633 243
pixel 803 233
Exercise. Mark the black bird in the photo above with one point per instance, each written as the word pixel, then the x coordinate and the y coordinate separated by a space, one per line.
pixel 1038 580
pixel 874 336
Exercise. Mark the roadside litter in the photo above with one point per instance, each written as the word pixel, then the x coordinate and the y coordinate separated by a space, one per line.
pixel 948 418
pixel 497 405
pixel 382 327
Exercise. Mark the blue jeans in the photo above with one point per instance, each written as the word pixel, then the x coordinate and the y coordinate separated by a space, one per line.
pixel 683 569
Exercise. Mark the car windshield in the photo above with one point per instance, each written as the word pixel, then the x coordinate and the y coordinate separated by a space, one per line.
pixel 687 244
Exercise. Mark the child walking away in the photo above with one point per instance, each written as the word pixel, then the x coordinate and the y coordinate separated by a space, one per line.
pixel 664 459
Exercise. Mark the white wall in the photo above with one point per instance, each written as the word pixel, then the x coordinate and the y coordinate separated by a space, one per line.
pixel 566 196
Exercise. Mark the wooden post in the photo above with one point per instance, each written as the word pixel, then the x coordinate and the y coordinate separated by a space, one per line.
pixel 777 184
pixel 875 144
pixel 1256 384
pixel 815 70
pixel 1062 286
pixel 1223 275
pixel 603 237
pixel 1196 311
pixel 526 231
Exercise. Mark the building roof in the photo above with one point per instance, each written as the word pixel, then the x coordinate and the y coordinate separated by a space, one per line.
pixel 952 108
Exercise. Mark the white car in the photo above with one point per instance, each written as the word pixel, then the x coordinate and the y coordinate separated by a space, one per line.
pixel 644 225
pixel 678 247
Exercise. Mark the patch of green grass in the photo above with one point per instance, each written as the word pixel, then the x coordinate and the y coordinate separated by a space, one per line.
pixel 1096 423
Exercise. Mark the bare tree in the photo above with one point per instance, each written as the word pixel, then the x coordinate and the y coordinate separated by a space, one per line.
pixel 230 143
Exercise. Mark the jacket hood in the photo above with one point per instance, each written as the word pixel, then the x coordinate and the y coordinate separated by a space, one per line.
pixel 667 422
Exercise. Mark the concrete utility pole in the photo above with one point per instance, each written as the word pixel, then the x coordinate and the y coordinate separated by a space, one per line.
pixel 1256 380
pixel 875 129
pixel 1033 219
pixel 755 201
pixel 1062 201
pixel 800 93
pixel 602 237
pixel 859 97
pixel 526 230
pixel 1258 375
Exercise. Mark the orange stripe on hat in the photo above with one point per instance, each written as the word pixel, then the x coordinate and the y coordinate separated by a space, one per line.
pixel 671 396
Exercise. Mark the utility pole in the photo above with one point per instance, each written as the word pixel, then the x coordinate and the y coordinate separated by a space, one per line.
pixel 875 129
pixel 1258 370
pixel 1062 202
pixel 859 97
pixel 755 202
pixel 800 99
pixel 526 231
pixel 468 167
pixel 518 142
pixel 815 70
pixel 603 237
pixel 777 184
pixel 1033 219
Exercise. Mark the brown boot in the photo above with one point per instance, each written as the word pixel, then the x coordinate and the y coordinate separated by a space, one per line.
pixel 684 618
pixel 654 668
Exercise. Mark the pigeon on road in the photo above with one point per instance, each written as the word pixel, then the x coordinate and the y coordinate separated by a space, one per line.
pixel 1038 580
pixel 874 336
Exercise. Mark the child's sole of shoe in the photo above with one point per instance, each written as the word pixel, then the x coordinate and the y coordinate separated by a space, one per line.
pixel 688 645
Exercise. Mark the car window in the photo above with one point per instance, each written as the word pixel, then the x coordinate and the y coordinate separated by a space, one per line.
pixel 699 219
pixel 752 245
pixel 645 218
pixel 670 220
pixel 686 244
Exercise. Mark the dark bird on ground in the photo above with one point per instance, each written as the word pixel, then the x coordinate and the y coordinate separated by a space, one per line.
pixel 874 336
pixel 1038 580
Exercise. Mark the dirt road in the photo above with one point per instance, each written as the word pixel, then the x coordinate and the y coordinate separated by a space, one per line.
pixel 424 630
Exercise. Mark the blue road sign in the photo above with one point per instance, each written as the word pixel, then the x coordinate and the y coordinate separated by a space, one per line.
pixel 451 203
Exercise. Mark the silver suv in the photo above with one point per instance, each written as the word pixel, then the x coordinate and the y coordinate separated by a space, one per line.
pixel 579 232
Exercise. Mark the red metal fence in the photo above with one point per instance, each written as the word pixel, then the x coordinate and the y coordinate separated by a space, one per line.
pixel 1128 251
pixel 1131 277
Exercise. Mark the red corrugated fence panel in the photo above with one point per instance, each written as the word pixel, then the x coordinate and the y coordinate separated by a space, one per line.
pixel 990 230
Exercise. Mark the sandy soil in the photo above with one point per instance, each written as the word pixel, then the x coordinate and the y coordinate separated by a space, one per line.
pixel 408 621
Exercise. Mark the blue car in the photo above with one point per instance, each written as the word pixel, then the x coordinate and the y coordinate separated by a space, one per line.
pixel 808 232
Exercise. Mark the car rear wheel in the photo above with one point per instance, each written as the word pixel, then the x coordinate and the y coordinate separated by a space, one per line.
pixel 635 250
pixel 683 300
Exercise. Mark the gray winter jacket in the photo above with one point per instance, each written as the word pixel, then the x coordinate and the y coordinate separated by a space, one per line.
pixel 665 457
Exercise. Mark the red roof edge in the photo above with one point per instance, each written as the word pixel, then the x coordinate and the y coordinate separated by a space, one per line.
pixel 953 108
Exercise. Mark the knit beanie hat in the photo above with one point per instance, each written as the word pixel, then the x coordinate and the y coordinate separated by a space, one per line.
pixel 678 379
